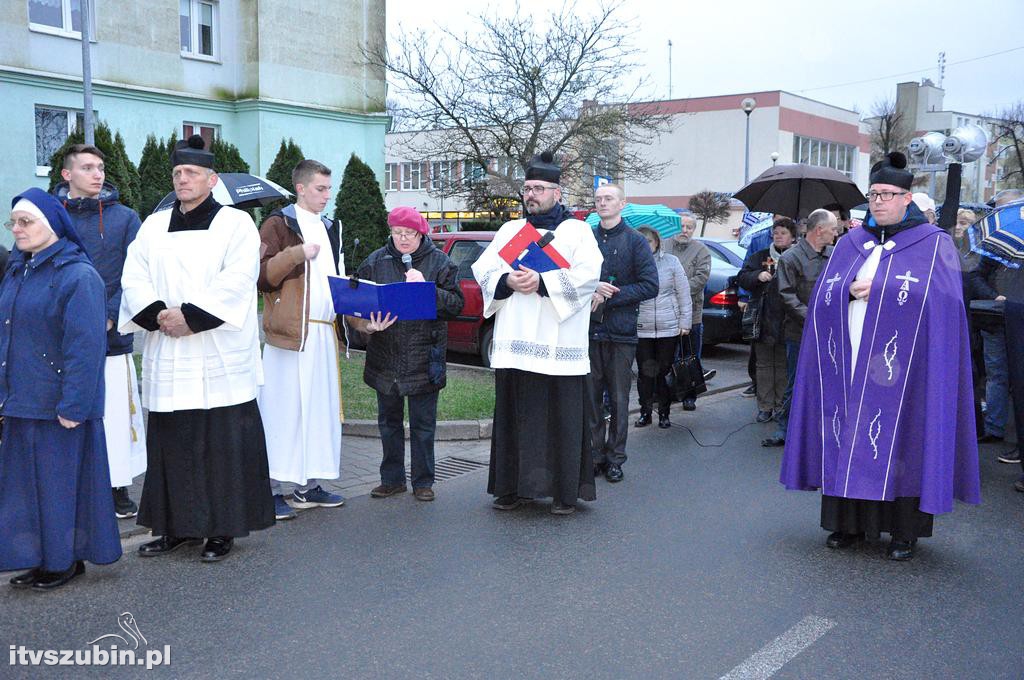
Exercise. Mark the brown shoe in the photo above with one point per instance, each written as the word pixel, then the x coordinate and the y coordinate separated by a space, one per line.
pixel 384 491
pixel 423 493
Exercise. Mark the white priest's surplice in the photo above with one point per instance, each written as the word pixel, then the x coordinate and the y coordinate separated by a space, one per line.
pixel 300 400
pixel 123 425
pixel 214 269
pixel 543 334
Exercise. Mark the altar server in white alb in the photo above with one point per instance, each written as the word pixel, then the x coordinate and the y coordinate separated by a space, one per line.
pixel 540 445
pixel 190 280
pixel 300 401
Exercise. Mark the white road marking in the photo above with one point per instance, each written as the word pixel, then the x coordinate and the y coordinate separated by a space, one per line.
pixel 780 651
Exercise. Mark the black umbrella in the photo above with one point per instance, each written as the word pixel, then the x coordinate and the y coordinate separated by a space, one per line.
pixel 239 189
pixel 797 189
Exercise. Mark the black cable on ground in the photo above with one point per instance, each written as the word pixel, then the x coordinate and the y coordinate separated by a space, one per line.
pixel 722 443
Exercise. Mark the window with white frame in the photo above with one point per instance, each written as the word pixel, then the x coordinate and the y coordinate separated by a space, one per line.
pixel 53 126
pixel 198 27
pixel 391 176
pixel 407 175
pixel 205 130
pixel 841 157
pixel 59 16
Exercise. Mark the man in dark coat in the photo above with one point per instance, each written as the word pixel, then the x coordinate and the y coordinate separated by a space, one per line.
pixel 628 277
pixel 405 360
pixel 107 228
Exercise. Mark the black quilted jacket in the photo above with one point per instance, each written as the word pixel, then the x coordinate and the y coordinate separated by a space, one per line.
pixel 409 357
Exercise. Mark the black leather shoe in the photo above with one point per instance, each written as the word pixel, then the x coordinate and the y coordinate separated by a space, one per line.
pixel 49 580
pixel 164 545
pixel 509 501
pixel 764 416
pixel 26 579
pixel 558 508
pixel 663 421
pixel 643 421
pixel 708 375
pixel 216 548
pixel 838 540
pixel 613 473
pixel 773 441
pixel 689 405
pixel 900 550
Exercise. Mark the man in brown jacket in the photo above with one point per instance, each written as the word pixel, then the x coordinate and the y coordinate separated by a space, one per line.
pixel 301 396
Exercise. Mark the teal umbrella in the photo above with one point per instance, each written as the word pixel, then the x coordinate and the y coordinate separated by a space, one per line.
pixel 661 218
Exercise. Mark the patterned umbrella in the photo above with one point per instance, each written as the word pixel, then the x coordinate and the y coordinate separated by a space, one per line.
pixel 240 190
pixel 1000 235
pixel 664 220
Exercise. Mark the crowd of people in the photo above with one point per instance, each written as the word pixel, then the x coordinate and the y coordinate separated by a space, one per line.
pixel 855 342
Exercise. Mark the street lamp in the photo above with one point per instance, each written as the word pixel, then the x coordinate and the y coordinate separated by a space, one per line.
pixel 775 157
pixel 748 104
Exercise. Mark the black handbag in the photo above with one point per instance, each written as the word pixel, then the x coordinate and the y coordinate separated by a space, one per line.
pixel 753 315
pixel 686 379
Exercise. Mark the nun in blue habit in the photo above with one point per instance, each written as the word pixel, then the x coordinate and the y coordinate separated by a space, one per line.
pixel 56 510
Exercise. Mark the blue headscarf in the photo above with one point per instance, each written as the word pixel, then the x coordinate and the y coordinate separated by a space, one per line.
pixel 55 214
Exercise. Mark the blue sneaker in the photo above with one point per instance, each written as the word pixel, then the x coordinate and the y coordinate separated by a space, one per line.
pixel 316 498
pixel 282 510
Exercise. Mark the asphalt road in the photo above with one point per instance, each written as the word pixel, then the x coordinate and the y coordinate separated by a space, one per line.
pixel 688 569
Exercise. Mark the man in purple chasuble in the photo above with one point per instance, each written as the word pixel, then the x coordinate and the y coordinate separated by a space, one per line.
pixel 882 418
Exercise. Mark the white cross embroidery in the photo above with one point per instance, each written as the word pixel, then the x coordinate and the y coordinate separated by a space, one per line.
pixel 828 291
pixel 904 294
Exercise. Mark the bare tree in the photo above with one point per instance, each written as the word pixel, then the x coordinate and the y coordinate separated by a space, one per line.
pixel 889 130
pixel 1008 137
pixel 519 84
pixel 709 206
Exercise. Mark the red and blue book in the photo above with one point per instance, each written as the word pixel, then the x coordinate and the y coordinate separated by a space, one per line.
pixel 529 249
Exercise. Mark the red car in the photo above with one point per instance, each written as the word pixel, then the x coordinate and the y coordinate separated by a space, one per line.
pixel 469 332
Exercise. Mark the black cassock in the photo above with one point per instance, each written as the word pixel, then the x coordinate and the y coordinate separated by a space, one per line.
pixel 540 445
pixel 207 473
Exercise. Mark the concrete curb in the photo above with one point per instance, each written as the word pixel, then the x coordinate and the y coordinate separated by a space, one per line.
pixel 462 430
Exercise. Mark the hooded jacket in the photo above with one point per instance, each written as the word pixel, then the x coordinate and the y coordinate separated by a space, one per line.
pixel 409 357
pixel 672 310
pixel 52 341
pixel 106 228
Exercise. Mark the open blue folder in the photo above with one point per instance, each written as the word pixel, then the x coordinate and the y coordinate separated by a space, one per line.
pixel 408 301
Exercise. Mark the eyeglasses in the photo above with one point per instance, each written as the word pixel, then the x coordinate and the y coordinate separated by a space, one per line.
pixel 404 235
pixel 535 189
pixel 21 223
pixel 872 196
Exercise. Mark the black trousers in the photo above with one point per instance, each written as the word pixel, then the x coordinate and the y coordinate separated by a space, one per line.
pixel 1014 319
pixel 654 360
pixel 611 368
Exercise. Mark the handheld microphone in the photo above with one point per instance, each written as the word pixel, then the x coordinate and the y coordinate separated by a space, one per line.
pixel 407 261
pixel 353 281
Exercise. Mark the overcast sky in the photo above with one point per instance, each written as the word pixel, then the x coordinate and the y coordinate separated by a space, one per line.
pixel 815 49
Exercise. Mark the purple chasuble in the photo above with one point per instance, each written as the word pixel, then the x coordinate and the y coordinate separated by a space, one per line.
pixel 901 423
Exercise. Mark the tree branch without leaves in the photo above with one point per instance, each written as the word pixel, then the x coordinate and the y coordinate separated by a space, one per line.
pixel 519 84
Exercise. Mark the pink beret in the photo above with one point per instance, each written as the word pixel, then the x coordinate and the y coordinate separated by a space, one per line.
pixel 408 217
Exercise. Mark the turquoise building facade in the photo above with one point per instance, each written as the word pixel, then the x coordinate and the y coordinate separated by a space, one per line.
pixel 230 68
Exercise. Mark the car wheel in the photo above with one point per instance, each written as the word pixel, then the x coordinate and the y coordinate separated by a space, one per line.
pixel 486 344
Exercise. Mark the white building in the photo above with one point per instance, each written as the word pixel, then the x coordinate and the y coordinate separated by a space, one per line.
pixel 705 146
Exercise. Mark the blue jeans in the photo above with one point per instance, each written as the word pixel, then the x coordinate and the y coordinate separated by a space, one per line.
pixel 792 350
pixel 422 424
pixel 996 381
pixel 697 337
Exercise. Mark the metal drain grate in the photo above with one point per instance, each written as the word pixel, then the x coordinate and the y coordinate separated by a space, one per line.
pixel 450 468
